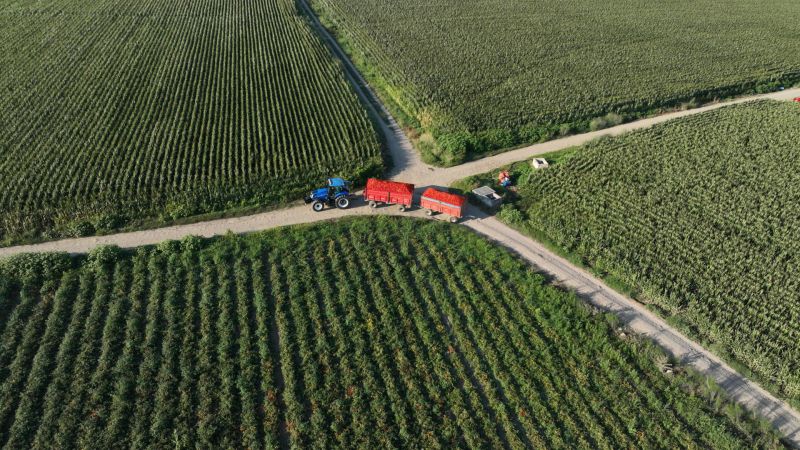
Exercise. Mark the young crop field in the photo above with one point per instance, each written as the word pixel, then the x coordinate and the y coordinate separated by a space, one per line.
pixel 697 217
pixel 113 111
pixel 301 338
pixel 474 76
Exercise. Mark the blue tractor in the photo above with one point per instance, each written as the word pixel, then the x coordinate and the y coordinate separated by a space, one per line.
pixel 337 193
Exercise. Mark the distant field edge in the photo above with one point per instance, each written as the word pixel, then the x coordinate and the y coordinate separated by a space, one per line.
pixel 445 142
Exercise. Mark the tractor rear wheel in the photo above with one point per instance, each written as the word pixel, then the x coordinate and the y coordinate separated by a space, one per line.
pixel 318 206
pixel 342 202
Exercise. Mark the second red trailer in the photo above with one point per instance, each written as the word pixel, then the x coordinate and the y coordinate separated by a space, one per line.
pixel 435 200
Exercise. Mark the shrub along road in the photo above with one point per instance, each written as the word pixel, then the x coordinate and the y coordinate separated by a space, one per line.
pixel 409 168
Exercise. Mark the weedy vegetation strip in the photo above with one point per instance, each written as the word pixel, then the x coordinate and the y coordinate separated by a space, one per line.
pixel 126 112
pixel 696 217
pixel 474 77
pixel 303 337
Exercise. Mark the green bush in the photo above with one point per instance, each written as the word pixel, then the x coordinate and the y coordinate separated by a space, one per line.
pixel 191 244
pixel 108 222
pixel 104 255
pixel 453 146
pixel 79 228
pixel 510 214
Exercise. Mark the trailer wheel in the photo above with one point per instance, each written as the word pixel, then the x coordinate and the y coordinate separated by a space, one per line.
pixel 402 208
pixel 453 219
pixel 373 204
pixel 429 212
pixel 342 202
pixel 318 206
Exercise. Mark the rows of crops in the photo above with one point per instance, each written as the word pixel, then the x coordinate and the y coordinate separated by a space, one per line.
pixel 699 216
pixel 301 337
pixel 486 74
pixel 113 110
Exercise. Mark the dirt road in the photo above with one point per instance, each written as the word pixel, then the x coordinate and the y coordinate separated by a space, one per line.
pixel 408 167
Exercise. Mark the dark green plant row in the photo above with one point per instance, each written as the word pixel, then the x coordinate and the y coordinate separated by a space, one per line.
pixel 301 338
pixel 119 111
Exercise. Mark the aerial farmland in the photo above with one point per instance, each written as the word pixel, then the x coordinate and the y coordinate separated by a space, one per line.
pixel 115 113
pixel 698 217
pixel 449 341
pixel 501 73
pixel 259 224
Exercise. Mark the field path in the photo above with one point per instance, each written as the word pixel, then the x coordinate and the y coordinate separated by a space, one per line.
pixel 408 167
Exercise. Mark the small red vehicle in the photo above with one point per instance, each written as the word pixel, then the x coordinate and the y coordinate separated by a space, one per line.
pixel 435 200
pixel 388 192
pixel 797 99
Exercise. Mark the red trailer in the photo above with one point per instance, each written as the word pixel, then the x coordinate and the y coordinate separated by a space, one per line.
pixel 797 99
pixel 388 192
pixel 443 202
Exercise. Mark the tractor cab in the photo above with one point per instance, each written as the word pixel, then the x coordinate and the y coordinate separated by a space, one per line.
pixel 337 186
pixel 337 193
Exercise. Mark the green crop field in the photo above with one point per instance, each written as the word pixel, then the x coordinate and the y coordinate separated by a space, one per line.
pixel 117 110
pixel 300 337
pixel 481 75
pixel 699 217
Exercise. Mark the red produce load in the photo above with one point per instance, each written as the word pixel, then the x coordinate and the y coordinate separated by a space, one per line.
pixel 435 200
pixel 388 192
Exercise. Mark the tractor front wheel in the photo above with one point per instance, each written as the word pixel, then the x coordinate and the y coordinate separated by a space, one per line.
pixel 342 202
pixel 318 206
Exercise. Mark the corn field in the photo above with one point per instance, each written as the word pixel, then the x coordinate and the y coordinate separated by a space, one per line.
pixel 699 216
pixel 112 111
pixel 485 75
pixel 301 338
